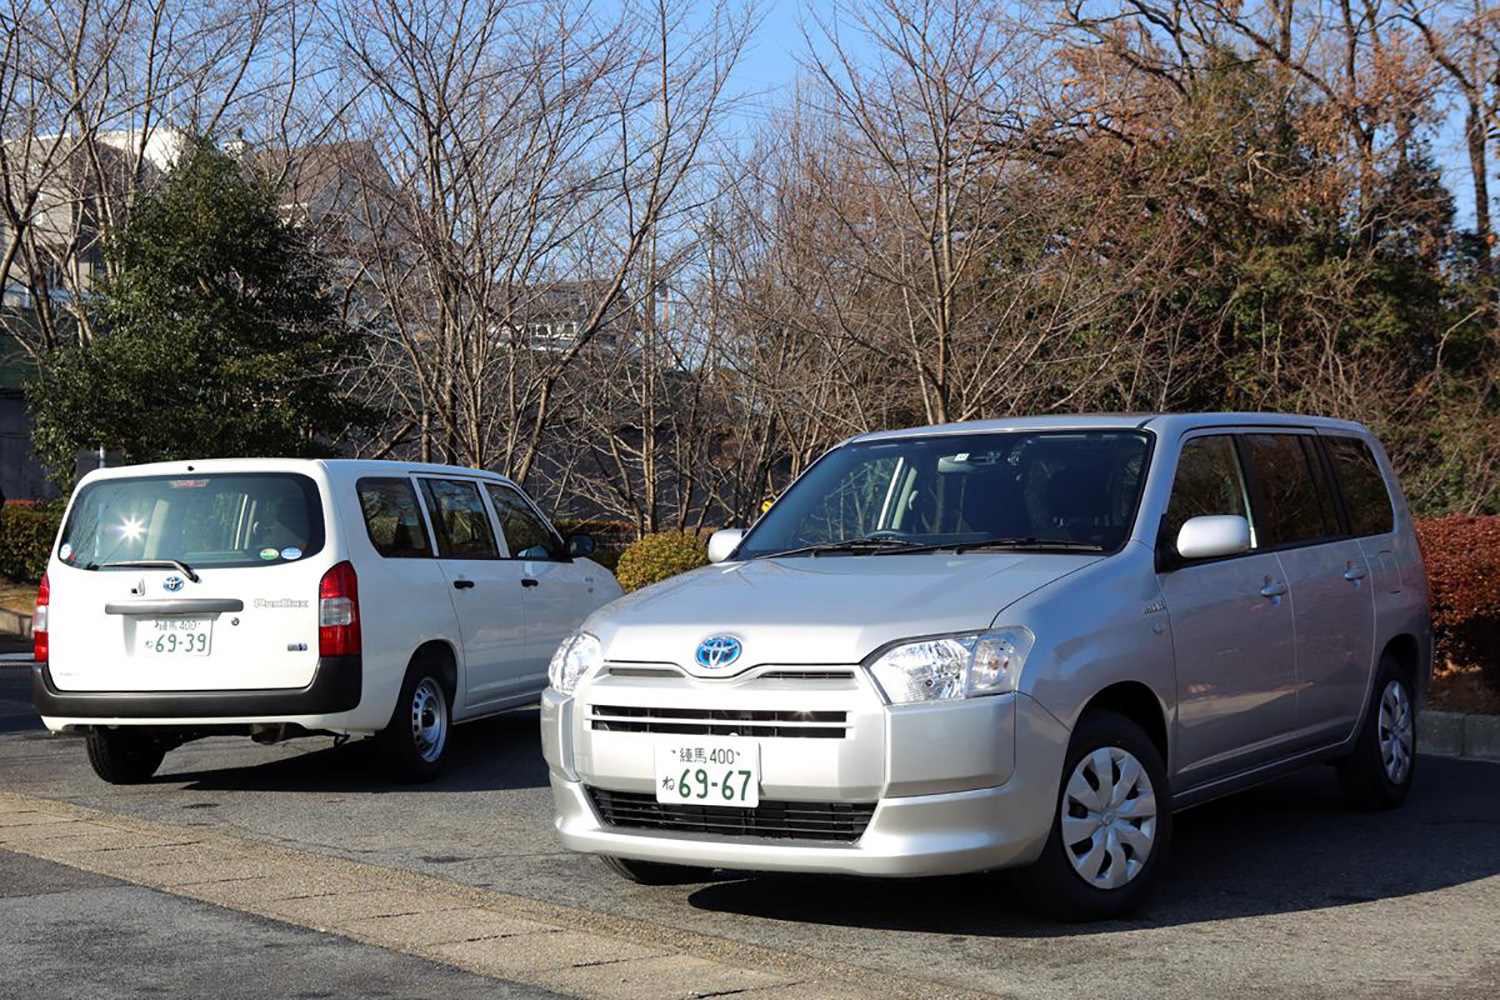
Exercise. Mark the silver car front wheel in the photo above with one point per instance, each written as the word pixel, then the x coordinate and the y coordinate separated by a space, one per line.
pixel 1108 818
pixel 1112 830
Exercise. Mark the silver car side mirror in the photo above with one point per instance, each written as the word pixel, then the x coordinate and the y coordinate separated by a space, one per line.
pixel 1213 536
pixel 721 543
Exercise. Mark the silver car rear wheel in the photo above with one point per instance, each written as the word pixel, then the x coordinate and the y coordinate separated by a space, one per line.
pixel 1108 820
pixel 1395 731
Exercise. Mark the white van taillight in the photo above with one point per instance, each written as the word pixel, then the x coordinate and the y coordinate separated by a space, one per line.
pixel 39 621
pixel 338 612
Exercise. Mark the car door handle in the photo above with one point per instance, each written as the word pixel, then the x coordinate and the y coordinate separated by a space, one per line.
pixel 527 581
pixel 1354 574
pixel 463 584
pixel 1273 590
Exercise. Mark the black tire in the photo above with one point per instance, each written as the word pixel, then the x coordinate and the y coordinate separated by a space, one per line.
pixel 1051 884
pixel 1369 775
pixel 122 757
pixel 654 873
pixel 413 750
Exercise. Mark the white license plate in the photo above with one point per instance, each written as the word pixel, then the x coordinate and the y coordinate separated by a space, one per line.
pixel 176 636
pixel 708 771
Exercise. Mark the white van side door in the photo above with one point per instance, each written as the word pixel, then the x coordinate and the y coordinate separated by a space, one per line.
pixel 487 592
pixel 560 592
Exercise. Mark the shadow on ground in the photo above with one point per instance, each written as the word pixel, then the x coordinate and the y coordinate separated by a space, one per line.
pixel 1285 847
pixel 491 755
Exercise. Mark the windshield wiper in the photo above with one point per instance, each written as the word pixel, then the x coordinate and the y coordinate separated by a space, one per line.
pixel 176 564
pixel 1042 544
pixel 1010 544
pixel 853 545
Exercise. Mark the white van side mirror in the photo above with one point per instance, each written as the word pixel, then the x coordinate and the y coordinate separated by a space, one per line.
pixel 721 543
pixel 1213 536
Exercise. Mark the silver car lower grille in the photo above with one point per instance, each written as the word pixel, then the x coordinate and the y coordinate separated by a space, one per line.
pixel 720 722
pixel 835 821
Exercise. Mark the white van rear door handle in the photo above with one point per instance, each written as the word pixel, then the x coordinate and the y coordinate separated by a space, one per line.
pixel 177 606
pixel 1273 590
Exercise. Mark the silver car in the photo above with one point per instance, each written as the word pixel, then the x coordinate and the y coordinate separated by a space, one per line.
pixel 1012 644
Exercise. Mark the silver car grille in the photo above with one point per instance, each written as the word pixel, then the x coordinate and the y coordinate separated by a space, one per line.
pixel 837 821
pixel 826 725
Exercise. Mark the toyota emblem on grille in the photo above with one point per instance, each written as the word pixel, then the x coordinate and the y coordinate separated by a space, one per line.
pixel 718 651
pixel 172 584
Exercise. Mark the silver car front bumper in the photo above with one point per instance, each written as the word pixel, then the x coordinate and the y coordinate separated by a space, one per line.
pixel 959 787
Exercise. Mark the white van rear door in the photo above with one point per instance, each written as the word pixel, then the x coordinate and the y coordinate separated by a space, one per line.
pixel 189 583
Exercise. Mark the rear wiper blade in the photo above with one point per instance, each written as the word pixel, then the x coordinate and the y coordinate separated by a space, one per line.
pixel 176 564
pixel 854 545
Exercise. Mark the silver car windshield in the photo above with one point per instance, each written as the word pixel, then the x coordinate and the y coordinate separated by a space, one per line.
pixel 1065 490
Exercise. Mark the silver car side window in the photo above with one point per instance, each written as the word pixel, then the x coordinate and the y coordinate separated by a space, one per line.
pixel 1209 480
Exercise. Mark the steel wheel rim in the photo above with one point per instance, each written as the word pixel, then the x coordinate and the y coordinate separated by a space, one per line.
pixel 1396 732
pixel 1108 818
pixel 429 720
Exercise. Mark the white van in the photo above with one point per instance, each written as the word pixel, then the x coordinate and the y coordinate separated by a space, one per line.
pixel 277 598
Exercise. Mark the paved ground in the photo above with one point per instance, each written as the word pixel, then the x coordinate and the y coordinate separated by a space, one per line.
pixel 66 933
pixel 1279 892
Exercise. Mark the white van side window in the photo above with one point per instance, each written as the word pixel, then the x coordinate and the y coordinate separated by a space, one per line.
pixel 392 518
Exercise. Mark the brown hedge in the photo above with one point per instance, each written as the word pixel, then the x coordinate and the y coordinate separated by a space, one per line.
pixel 26 537
pixel 1462 554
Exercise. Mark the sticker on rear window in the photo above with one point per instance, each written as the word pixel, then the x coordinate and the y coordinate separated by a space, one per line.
pixel 291 552
pixel 66 552
pixel 268 553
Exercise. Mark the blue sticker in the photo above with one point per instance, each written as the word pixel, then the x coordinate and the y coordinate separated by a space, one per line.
pixel 291 552
pixel 66 552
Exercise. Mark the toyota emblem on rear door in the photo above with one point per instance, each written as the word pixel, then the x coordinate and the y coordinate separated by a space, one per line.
pixel 718 651
pixel 172 584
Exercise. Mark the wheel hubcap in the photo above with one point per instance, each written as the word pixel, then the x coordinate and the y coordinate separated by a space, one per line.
pixel 1108 818
pixel 429 719
pixel 1396 732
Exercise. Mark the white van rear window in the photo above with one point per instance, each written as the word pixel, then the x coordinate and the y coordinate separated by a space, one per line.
pixel 205 521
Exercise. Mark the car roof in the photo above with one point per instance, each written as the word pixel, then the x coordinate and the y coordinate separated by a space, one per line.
pixel 1164 423
pixel 341 468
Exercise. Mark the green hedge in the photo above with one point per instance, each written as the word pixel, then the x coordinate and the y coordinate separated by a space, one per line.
pixel 26 537
pixel 657 557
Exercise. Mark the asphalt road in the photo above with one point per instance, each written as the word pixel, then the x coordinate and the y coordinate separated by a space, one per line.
pixel 66 933
pixel 1281 891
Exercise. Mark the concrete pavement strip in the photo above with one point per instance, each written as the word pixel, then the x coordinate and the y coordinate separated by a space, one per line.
pixel 567 950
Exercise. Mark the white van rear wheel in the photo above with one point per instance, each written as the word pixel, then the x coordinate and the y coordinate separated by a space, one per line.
pixel 415 742
pixel 122 757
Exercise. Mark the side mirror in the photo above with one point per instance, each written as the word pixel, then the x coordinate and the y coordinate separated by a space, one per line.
pixel 580 546
pixel 722 543
pixel 1213 536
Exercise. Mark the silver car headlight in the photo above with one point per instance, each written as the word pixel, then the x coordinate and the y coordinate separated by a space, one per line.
pixel 578 654
pixel 954 666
